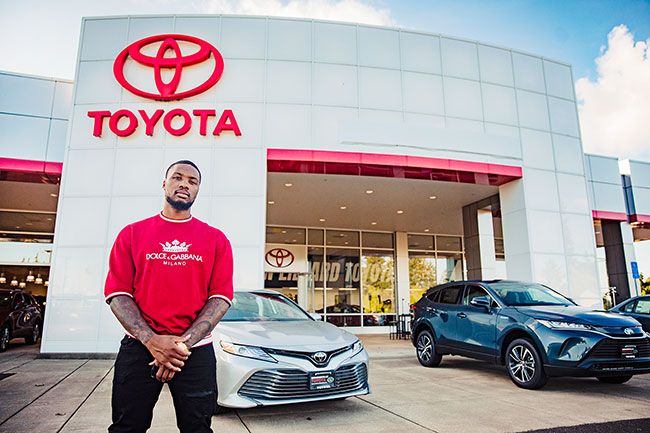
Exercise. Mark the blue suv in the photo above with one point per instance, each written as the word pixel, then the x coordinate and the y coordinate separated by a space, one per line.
pixel 531 329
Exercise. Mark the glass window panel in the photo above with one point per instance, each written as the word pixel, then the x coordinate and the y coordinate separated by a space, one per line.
pixel 377 240
pixel 377 319
pixel 342 238
pixel 642 306
pixel 421 242
pixel 422 274
pixel 450 295
pixel 449 267
pixel 378 272
pixel 315 237
pixel 449 243
pixel 315 258
pixel 285 235
pixel 342 275
pixel 340 320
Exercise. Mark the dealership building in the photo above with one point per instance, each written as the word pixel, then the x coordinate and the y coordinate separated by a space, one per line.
pixel 351 166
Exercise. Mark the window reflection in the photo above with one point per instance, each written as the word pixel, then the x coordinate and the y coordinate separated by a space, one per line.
pixel 378 270
pixel 422 274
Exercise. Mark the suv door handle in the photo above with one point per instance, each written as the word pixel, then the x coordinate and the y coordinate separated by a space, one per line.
pixel 461 315
pixel 431 310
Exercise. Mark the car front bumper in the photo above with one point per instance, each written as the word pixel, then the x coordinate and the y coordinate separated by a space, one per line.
pixel 245 382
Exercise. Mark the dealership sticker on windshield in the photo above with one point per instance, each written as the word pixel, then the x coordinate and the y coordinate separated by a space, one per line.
pixel 322 380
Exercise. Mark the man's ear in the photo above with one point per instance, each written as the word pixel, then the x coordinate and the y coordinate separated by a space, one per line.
pixel 164 183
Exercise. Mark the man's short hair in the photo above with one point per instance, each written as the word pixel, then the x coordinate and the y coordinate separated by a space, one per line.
pixel 183 161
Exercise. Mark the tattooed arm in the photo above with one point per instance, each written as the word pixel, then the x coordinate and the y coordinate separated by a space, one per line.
pixel 164 348
pixel 208 318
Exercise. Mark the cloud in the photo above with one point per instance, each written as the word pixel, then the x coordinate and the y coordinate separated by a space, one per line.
pixel 615 107
pixel 358 11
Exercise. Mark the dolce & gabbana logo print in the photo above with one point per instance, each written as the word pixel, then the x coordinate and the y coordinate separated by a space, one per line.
pixel 174 253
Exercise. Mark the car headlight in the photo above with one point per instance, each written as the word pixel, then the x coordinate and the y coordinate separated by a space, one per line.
pixel 246 351
pixel 554 324
pixel 357 347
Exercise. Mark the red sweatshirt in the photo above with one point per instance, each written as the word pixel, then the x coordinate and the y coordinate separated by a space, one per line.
pixel 170 268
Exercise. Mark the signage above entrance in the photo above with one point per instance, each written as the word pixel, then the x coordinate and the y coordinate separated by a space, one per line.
pixel 168 91
pixel 163 77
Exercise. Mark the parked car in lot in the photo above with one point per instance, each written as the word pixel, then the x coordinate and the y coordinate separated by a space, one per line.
pixel 638 307
pixel 531 329
pixel 20 316
pixel 270 351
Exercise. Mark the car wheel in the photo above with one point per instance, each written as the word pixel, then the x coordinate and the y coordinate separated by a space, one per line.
pixel 524 365
pixel 34 336
pixel 614 379
pixel 5 337
pixel 425 348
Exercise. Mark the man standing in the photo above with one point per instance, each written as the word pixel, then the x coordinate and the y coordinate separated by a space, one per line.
pixel 169 283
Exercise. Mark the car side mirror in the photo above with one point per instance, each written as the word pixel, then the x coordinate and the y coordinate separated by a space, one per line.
pixel 317 317
pixel 481 301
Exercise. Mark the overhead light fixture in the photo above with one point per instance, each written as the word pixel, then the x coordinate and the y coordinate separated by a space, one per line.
pixel 3 279
pixel 321 220
pixel 426 230
pixel 343 207
pixel 14 282
pixel 288 185
pixel 271 202
pixel 38 280
pixel 369 191
pixel 284 231
pixel 400 212
pixel 374 223
pixel 49 219
pixel 22 285
pixel 30 277
pixel 53 195
pixel 432 197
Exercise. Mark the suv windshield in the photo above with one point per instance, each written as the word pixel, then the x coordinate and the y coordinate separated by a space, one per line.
pixel 522 294
pixel 257 306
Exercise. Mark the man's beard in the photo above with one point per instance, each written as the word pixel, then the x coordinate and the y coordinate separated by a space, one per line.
pixel 179 205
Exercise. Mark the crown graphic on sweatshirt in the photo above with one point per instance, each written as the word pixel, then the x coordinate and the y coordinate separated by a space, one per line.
pixel 175 247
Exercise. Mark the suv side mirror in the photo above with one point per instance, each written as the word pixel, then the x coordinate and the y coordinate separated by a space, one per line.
pixel 481 301
pixel 317 317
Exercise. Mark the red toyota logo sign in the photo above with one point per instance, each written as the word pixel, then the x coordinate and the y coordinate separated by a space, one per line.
pixel 279 258
pixel 168 91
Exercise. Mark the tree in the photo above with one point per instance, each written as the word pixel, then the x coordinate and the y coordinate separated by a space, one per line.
pixel 645 284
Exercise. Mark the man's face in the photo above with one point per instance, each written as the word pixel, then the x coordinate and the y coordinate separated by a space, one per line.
pixel 181 186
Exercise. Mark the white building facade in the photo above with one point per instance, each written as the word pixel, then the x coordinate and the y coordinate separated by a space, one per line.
pixel 381 136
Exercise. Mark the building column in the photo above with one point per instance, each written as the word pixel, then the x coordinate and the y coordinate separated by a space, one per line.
pixel 619 253
pixel 478 232
pixel 402 279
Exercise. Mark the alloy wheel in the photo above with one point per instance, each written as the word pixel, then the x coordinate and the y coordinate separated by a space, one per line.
pixel 424 348
pixel 521 363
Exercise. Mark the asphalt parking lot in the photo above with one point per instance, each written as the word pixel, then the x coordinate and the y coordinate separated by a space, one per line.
pixel 66 395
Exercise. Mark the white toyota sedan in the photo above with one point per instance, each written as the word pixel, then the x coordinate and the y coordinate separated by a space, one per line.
pixel 270 351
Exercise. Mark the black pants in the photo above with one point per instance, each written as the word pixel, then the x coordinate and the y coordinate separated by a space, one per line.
pixel 135 392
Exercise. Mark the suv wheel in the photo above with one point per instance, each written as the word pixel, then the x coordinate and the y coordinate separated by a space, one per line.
pixel 36 333
pixel 5 336
pixel 425 348
pixel 524 364
pixel 614 379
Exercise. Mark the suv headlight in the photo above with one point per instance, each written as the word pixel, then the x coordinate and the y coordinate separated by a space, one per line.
pixel 246 351
pixel 553 324
pixel 357 347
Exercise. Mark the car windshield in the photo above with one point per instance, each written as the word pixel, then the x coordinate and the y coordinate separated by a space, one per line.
pixel 522 294
pixel 259 306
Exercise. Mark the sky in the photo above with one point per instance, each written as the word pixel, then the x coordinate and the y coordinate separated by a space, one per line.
pixel 605 41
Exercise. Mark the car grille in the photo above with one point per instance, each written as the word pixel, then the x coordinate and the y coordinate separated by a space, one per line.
pixel 613 348
pixel 292 384
pixel 308 355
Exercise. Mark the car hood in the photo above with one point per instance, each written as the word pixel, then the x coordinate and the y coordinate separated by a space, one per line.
pixel 578 315
pixel 300 335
